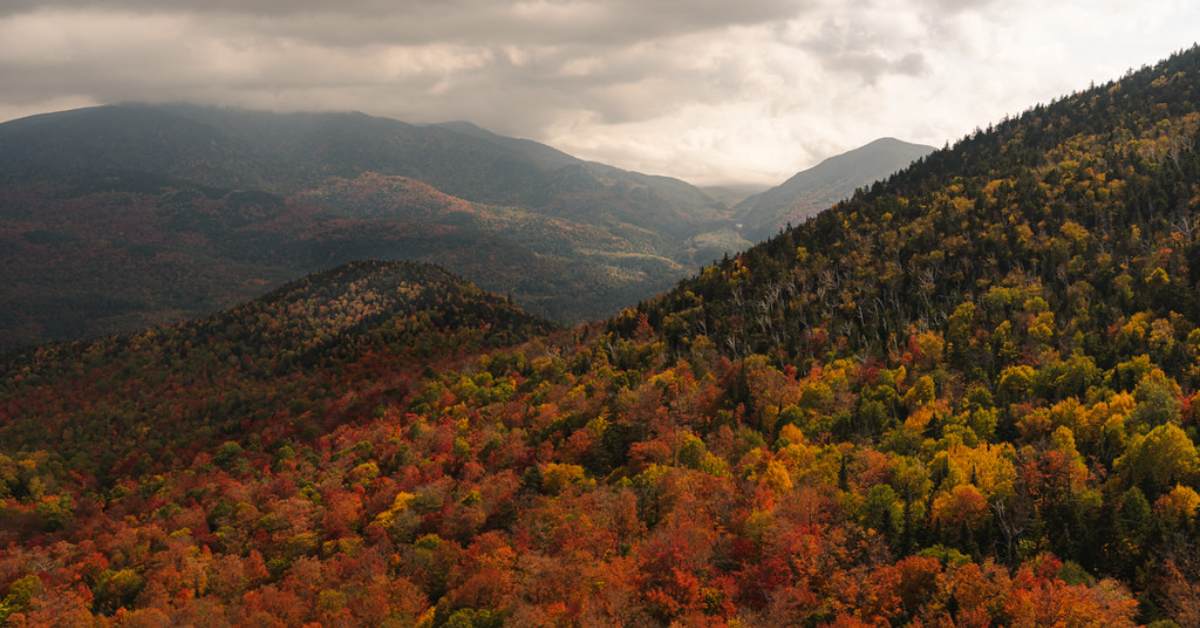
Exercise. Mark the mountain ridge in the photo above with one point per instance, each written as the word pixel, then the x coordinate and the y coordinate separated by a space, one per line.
pixel 305 333
pixel 283 152
pixel 91 255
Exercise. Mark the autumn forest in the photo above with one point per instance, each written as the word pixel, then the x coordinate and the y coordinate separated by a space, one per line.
pixel 968 395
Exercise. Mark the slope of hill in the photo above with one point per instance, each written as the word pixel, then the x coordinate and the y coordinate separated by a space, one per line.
pixel 170 391
pixel 283 153
pixel 92 255
pixel 104 210
pixel 817 188
pixel 966 396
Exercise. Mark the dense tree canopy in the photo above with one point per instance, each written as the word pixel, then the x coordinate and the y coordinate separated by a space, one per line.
pixel 967 395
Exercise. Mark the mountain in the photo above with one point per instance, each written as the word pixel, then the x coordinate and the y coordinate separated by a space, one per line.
pixel 95 255
pixel 180 388
pixel 115 218
pixel 816 189
pixel 283 153
pixel 964 396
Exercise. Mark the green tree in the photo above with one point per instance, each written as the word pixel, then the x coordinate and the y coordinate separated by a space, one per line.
pixel 1160 459
pixel 883 511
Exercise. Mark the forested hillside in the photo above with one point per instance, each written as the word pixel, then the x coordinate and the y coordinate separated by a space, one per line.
pixel 116 218
pixel 89 254
pixel 119 217
pixel 161 394
pixel 966 396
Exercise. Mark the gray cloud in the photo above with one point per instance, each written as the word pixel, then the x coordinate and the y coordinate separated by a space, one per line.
pixel 854 48
pixel 357 22
pixel 709 90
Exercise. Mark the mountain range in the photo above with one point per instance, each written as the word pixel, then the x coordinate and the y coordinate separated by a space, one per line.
pixel 284 153
pixel 967 395
pixel 118 217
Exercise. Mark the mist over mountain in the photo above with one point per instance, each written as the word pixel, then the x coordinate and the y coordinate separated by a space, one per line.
pixel 734 193
pixel 285 152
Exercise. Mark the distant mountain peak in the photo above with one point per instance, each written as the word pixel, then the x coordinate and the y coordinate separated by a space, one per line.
pixel 888 140
pixel 462 125
pixel 819 187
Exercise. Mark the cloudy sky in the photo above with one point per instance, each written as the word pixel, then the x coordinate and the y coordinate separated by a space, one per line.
pixel 711 91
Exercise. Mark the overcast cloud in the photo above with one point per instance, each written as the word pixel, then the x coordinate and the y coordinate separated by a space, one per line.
pixel 707 90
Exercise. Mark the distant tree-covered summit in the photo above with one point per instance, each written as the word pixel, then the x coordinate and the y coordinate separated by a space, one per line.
pixel 286 152
pixel 177 386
